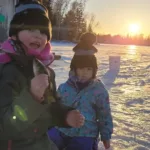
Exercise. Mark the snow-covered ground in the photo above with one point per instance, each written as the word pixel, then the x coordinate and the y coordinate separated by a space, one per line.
pixel 129 90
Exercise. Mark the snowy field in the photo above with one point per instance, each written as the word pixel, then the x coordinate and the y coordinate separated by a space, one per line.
pixel 129 90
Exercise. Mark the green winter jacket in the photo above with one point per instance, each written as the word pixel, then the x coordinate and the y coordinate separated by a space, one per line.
pixel 23 121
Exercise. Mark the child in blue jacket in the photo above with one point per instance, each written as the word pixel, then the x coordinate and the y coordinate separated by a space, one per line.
pixel 85 92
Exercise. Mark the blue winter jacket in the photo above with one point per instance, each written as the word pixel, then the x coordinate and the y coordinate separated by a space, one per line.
pixel 93 102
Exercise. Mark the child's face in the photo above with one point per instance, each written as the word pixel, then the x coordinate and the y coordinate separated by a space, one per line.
pixel 33 39
pixel 85 73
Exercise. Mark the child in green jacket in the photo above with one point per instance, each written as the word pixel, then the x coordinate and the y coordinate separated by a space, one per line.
pixel 28 101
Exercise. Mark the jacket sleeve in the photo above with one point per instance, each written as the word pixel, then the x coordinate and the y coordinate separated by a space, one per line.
pixel 58 110
pixel 18 109
pixel 104 116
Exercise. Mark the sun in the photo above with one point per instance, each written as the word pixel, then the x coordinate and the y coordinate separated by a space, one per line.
pixel 134 29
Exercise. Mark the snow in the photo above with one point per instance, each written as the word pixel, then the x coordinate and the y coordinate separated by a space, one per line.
pixel 129 89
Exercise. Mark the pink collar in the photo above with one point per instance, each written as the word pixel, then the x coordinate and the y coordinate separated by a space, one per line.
pixel 8 47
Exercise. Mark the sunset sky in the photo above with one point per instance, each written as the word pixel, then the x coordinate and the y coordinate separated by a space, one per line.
pixel 117 16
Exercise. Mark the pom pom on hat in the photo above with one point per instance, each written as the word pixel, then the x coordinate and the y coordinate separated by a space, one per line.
pixel 85 52
pixel 89 38
pixel 86 43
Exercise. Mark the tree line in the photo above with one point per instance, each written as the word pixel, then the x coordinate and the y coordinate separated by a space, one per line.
pixel 124 40
pixel 69 19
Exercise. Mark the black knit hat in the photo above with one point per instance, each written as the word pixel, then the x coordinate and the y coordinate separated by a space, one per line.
pixel 30 15
pixel 85 53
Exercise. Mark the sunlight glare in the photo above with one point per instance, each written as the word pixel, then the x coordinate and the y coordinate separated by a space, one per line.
pixel 132 53
pixel 132 50
pixel 134 29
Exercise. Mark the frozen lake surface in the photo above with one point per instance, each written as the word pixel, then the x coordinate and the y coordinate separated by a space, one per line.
pixel 129 90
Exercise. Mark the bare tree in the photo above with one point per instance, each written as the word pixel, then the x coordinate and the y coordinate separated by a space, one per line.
pixel 93 24
pixel 75 19
pixel 60 7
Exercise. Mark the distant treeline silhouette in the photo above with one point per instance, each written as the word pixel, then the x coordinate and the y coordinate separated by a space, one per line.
pixel 69 21
pixel 124 40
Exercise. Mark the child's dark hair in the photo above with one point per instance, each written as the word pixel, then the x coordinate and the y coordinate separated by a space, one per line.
pixel 84 53
pixel 30 15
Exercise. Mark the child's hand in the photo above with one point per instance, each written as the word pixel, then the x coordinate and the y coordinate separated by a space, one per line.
pixel 106 144
pixel 38 86
pixel 75 119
